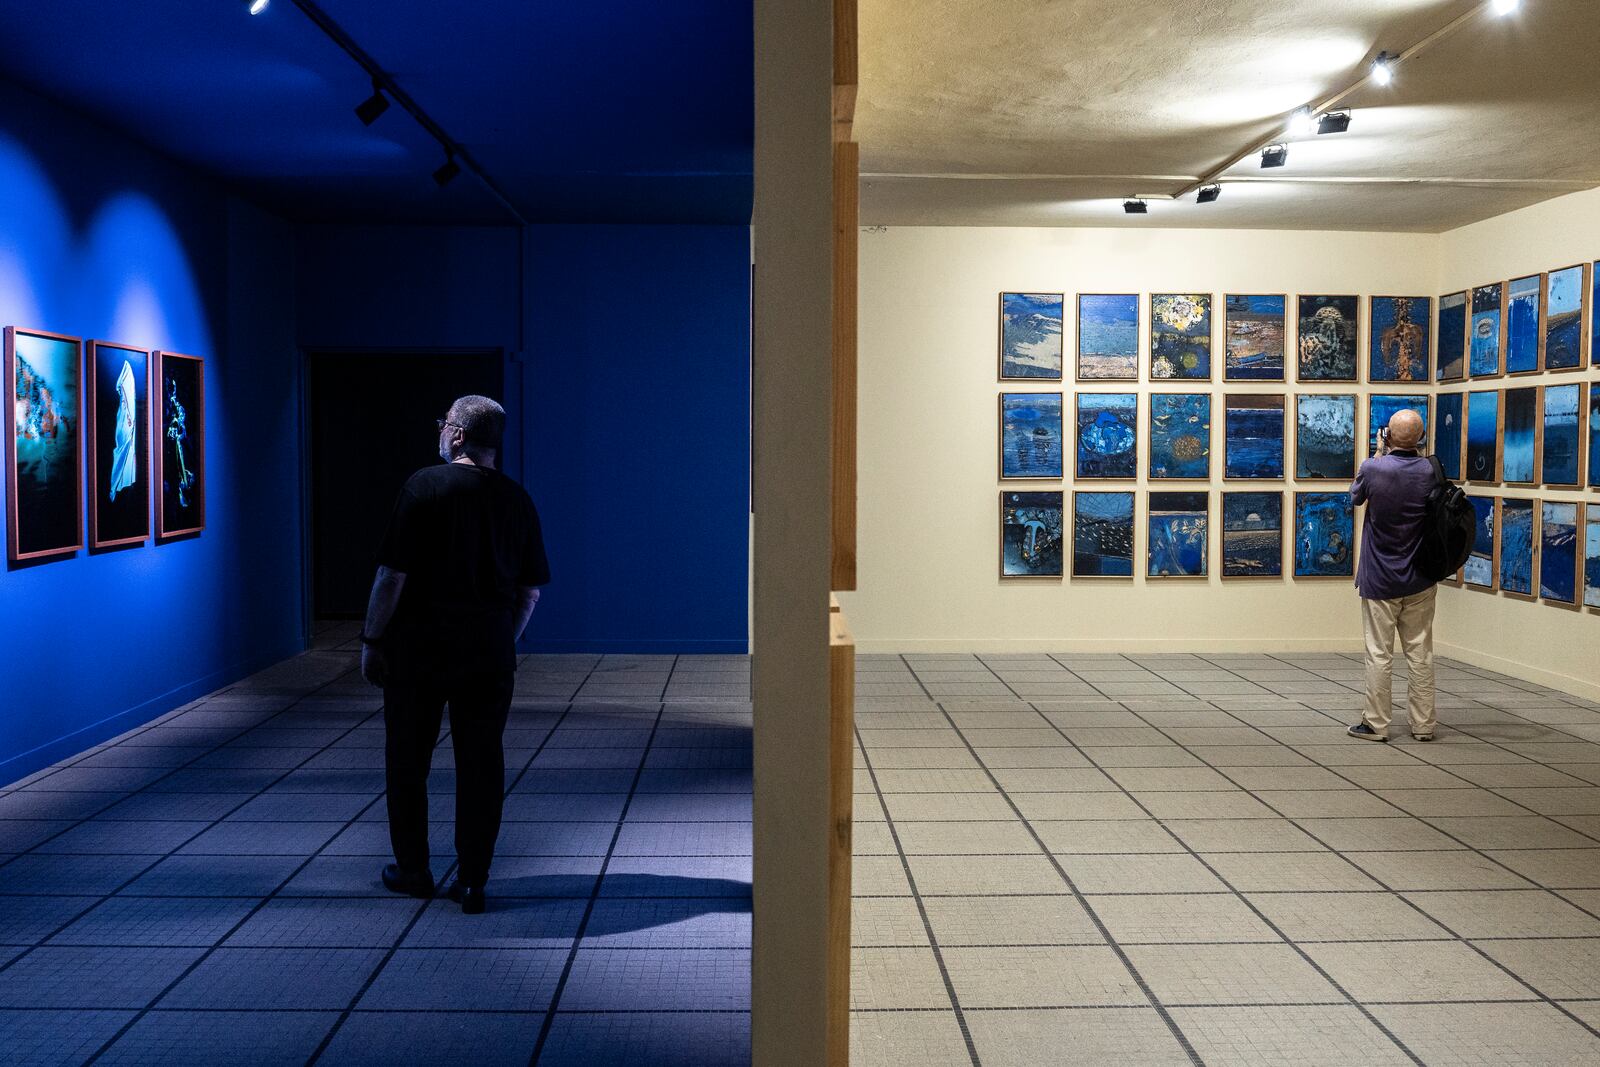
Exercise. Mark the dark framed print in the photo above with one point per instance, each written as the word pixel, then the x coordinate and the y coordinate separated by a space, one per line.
pixel 179 431
pixel 1030 435
pixel 1399 347
pixel 1324 436
pixel 1326 328
pixel 1180 336
pixel 44 444
pixel 1031 534
pixel 1449 364
pixel 119 445
pixel 1487 328
pixel 1252 534
pixel 1253 337
pixel 1523 301
pixel 1563 337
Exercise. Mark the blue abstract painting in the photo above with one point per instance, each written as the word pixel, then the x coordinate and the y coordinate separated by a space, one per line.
pixel 1108 435
pixel 1483 436
pixel 46 397
pixel 1591 557
pixel 1253 339
pixel 1180 435
pixel 1517 459
pixel 1030 535
pixel 1450 358
pixel 1252 434
pixel 1447 433
pixel 1325 436
pixel 1558 552
pixel 1180 336
pixel 1594 437
pixel 1400 338
pixel 1483 353
pixel 1030 335
pixel 1030 435
pixel 1179 535
pixel 1102 535
pixel 1563 319
pixel 1522 325
pixel 1563 439
pixel 1479 568
pixel 1516 546
pixel 1326 331
pixel 1594 302
pixel 1108 336
pixel 1324 535
pixel 1252 535
pixel 1381 407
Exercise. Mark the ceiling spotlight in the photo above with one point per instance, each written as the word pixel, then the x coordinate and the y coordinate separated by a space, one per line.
pixel 1135 206
pixel 1383 68
pixel 1208 194
pixel 1334 122
pixel 1503 7
pixel 1274 155
pixel 256 7
pixel 373 106
pixel 1302 123
pixel 447 173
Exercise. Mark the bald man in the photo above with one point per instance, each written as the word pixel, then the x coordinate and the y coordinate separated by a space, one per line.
pixel 1395 598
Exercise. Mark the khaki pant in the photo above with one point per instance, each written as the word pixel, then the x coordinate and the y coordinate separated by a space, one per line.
pixel 1412 618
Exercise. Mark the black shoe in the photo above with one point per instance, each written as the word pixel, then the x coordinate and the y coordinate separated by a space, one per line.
pixel 411 883
pixel 1365 733
pixel 470 897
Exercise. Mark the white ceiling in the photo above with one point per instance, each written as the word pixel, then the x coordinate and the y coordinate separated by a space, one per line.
pixel 1051 112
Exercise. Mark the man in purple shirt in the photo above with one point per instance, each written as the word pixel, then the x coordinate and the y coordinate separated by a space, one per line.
pixel 1394 485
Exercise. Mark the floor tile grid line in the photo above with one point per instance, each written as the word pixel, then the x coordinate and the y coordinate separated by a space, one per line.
pixel 548 1022
pixel 102 898
pixel 1469 943
pixel 1518 684
pixel 1100 925
pixel 922 913
pixel 1251 905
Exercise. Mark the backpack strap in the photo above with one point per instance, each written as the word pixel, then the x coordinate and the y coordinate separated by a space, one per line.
pixel 1438 470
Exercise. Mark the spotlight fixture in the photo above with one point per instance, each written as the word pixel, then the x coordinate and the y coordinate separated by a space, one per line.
pixel 1135 206
pixel 1274 155
pixel 1208 194
pixel 1383 68
pixel 447 173
pixel 373 106
pixel 1302 123
pixel 1504 7
pixel 1334 122
pixel 256 7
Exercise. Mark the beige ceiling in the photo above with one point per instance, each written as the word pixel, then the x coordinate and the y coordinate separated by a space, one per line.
pixel 1017 113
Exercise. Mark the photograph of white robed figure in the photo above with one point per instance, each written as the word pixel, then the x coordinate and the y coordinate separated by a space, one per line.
pixel 125 459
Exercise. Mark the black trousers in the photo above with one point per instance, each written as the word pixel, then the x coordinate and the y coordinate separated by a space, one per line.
pixel 412 711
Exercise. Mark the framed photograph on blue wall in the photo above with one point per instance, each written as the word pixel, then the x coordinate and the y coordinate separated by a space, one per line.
pixel 1450 354
pixel 1566 295
pixel 1399 349
pixel 1030 534
pixel 1180 435
pixel 1522 324
pixel 43 444
pixel 1324 536
pixel 1030 435
pixel 1561 445
pixel 1178 544
pixel 1030 335
pixel 119 445
pixel 180 440
pixel 1253 436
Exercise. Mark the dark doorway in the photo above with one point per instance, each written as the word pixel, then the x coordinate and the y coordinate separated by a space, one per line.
pixel 372 426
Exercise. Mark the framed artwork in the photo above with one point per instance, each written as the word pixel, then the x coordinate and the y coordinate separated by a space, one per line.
pixel 1324 535
pixel 1450 356
pixel 1522 325
pixel 1478 572
pixel 1102 535
pixel 1325 436
pixel 1325 332
pixel 1400 348
pixel 1108 435
pixel 119 445
pixel 1591 557
pixel 1561 457
pixel 1180 435
pixel 1253 338
pixel 1252 434
pixel 1516 547
pixel 1108 337
pixel 1558 553
pixel 180 438
pixel 1448 415
pixel 44 444
pixel 1594 438
pixel 1381 407
pixel 1483 436
pixel 1030 535
pixel 1030 435
pixel 1030 335
pixel 1180 336
pixel 1488 318
pixel 1565 301
pixel 1252 535
pixel 1594 302
pixel 1179 535
pixel 1519 436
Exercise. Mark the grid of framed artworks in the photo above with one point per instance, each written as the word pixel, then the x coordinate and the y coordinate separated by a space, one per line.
pixel 1539 323
pixel 134 418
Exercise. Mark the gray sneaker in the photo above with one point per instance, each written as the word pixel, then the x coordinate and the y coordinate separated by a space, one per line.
pixel 1361 731
pixel 1422 737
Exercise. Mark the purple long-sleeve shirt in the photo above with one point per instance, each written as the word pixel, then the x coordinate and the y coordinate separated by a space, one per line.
pixel 1395 489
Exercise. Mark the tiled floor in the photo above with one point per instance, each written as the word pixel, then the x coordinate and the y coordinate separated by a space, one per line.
pixel 205 890
pixel 1178 859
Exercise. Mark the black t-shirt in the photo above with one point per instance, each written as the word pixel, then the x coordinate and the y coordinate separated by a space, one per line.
pixel 466 538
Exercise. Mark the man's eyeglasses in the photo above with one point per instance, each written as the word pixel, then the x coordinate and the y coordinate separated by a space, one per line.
pixel 442 423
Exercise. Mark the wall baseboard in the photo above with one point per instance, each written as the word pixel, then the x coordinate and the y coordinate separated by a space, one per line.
pixel 23 764
pixel 1149 646
pixel 1580 687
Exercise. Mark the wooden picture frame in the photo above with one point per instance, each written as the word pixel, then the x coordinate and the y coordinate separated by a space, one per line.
pixel 1150 439
pixel 1576 576
pixel 1493 559
pixel 98 477
pixel 1533 546
pixel 1579 325
pixel 1539 282
pixel 194 455
pixel 1133 534
pixel 1061 341
pixel 1281 407
pixel 1375 425
pixel 1459 464
pixel 1302 336
pixel 24 542
pixel 1354 534
pixel 1282 574
pixel 1482 300
pixel 1168 498
pixel 1579 432
pixel 1077 438
pixel 1059 499
pixel 1354 404
pixel 1284 347
pixel 1460 308
pixel 1077 334
pixel 1520 393
pixel 1060 432
pixel 1423 344
pixel 1499 431
pixel 1591 543
pixel 1208 303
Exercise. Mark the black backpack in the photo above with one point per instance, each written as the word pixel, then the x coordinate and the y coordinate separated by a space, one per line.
pixel 1448 526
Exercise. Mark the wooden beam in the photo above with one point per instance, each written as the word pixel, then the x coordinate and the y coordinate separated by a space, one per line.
pixel 846 238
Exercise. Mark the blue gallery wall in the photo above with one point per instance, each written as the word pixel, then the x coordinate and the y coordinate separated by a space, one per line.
pixel 100 238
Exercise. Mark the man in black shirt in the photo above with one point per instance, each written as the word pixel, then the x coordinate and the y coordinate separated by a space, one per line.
pixel 459 573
